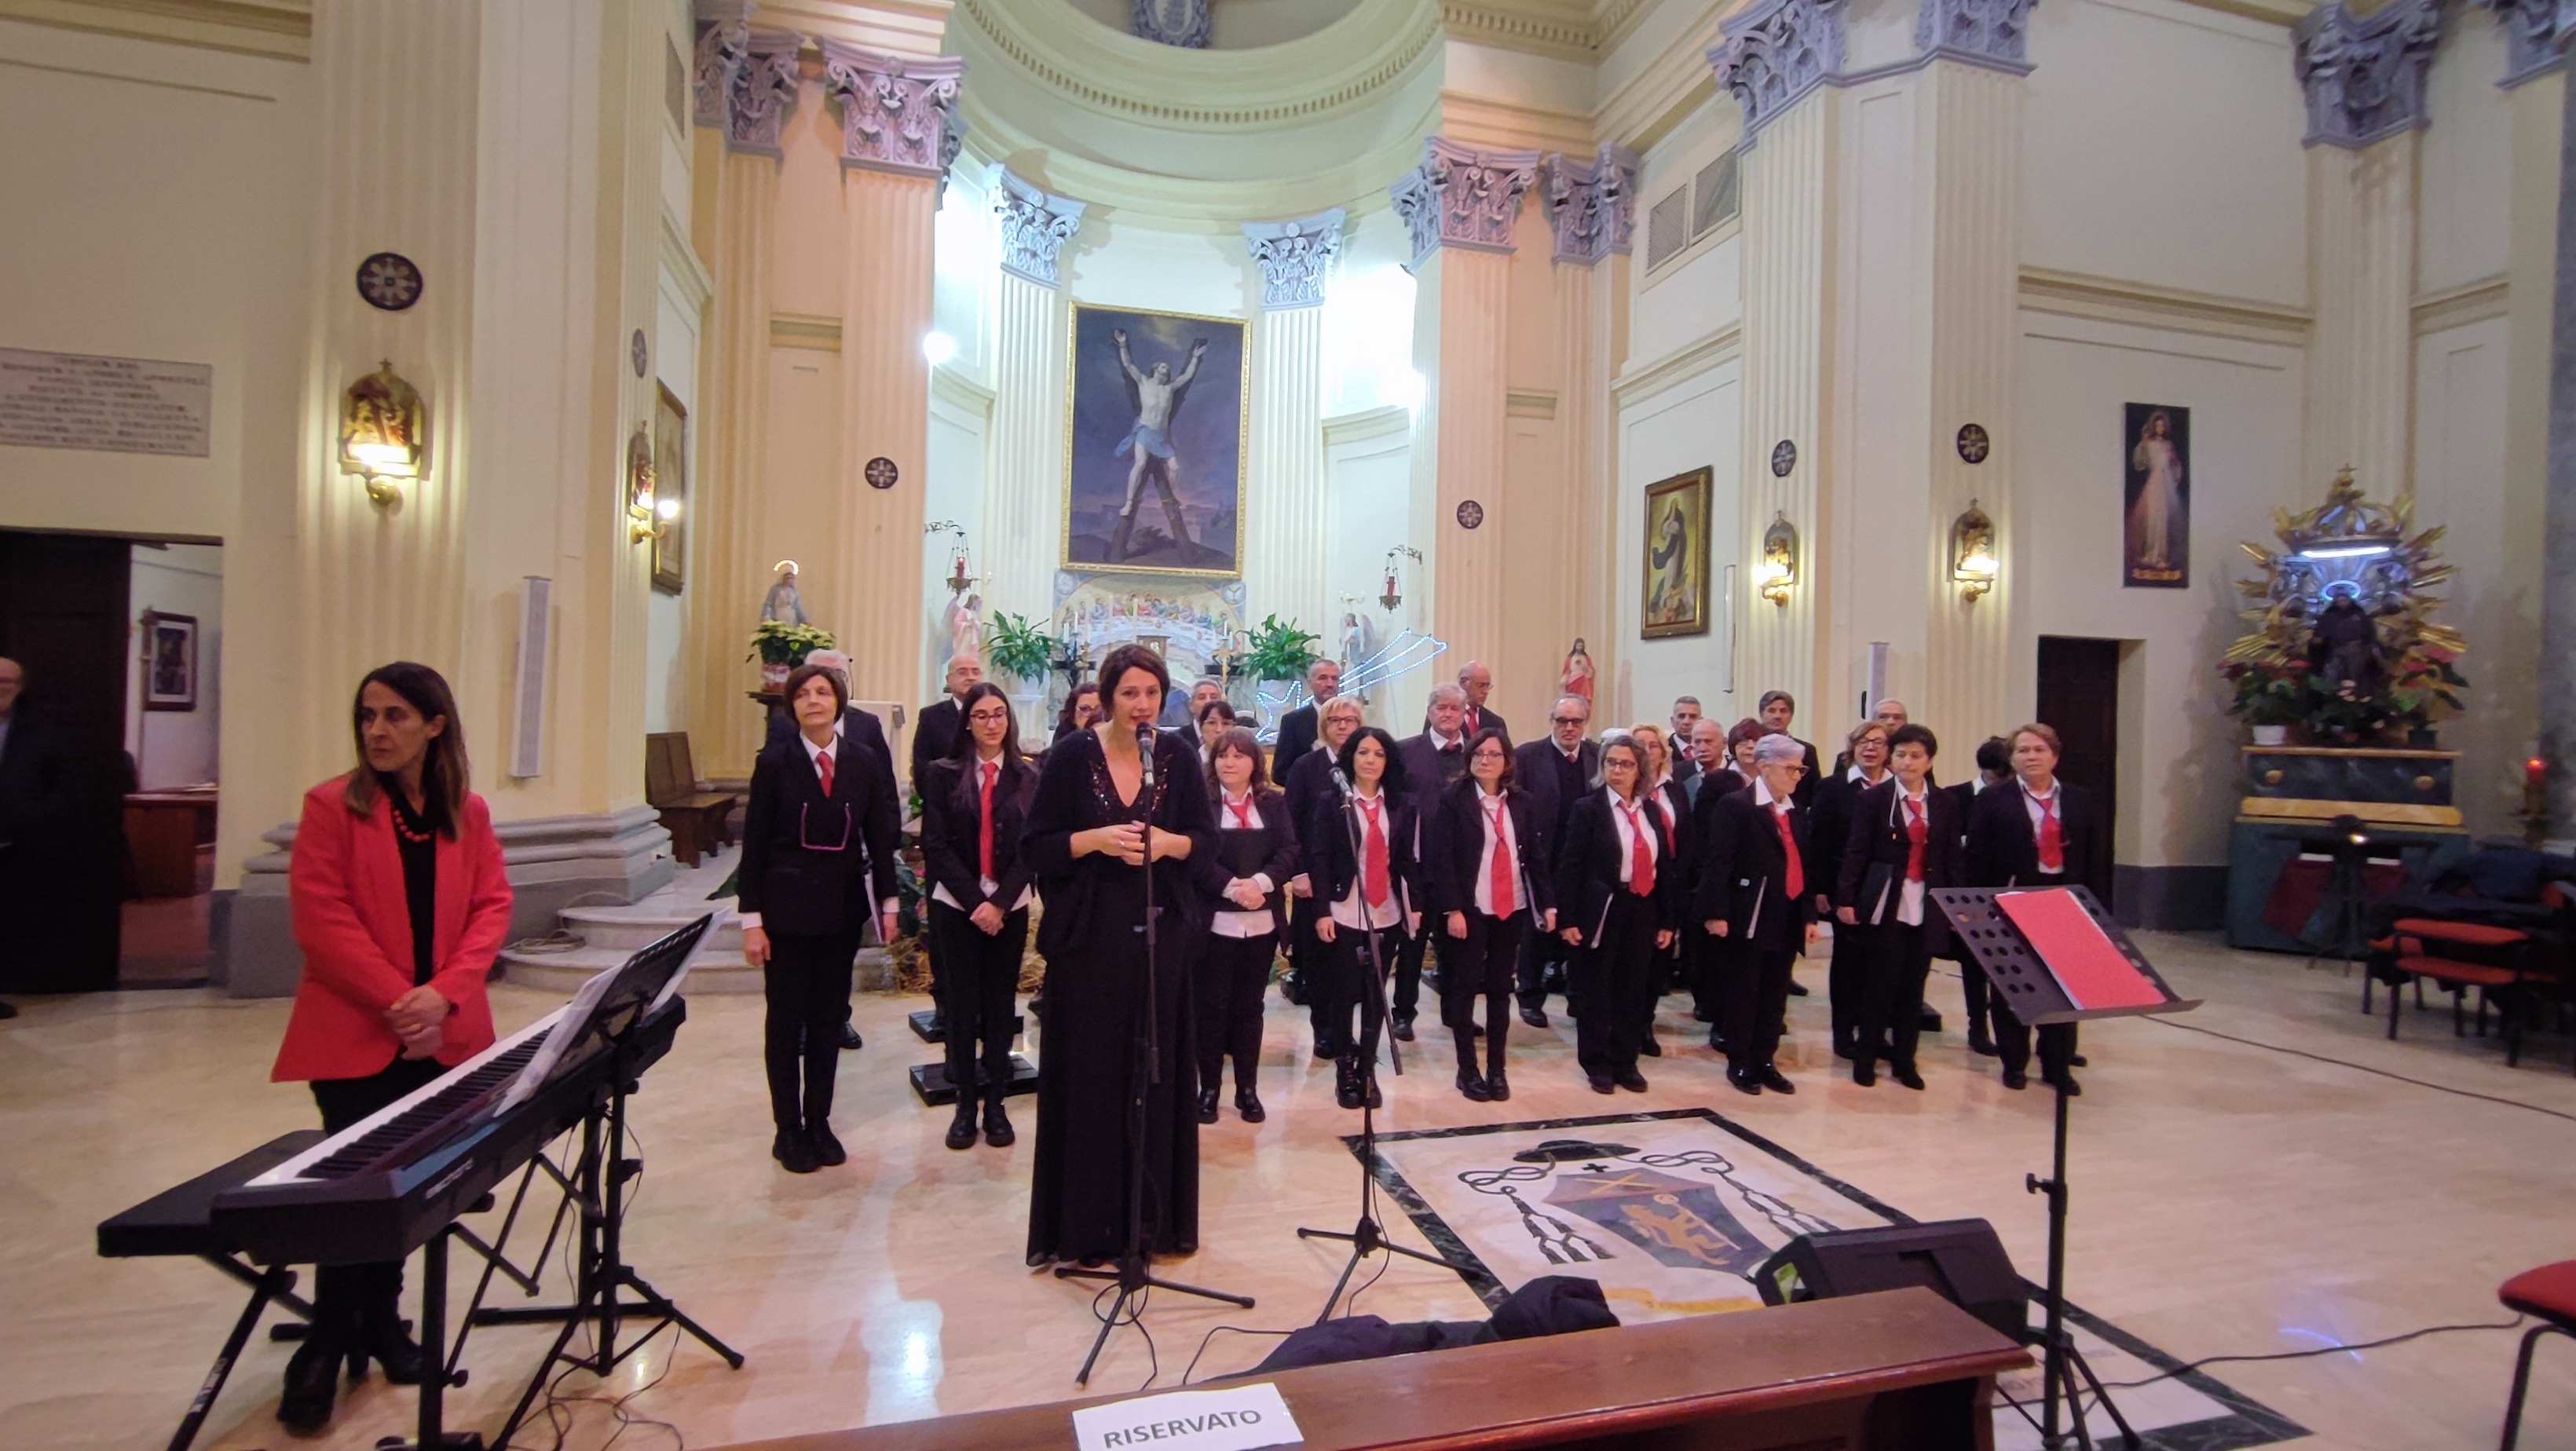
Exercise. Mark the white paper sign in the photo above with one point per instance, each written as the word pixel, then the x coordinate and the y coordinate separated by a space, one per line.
pixel 113 405
pixel 1238 1419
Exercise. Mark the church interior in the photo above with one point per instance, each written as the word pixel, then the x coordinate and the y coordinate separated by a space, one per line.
pixel 2170 404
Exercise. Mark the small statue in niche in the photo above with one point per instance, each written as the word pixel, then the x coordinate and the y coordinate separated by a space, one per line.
pixel 1577 676
pixel 782 604
pixel 2343 645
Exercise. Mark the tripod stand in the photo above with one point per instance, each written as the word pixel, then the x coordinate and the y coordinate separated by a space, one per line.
pixel 2061 1361
pixel 1366 1237
pixel 1134 1275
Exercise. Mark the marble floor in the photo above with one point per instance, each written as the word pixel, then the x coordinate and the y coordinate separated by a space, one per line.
pixel 2229 1199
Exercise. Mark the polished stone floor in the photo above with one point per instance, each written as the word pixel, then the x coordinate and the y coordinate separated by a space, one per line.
pixel 2229 1199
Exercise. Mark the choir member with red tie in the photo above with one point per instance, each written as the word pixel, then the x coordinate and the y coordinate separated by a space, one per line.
pixel 1615 883
pixel 2037 832
pixel 1431 760
pixel 1246 881
pixel 1754 898
pixel 1829 829
pixel 972 805
pixel 1372 886
pixel 1904 844
pixel 1489 884
pixel 1680 853
pixel 1478 682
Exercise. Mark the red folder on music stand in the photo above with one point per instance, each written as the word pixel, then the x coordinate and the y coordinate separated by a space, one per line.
pixel 2055 954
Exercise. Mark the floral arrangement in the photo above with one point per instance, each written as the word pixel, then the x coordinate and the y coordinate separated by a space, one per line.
pixel 777 642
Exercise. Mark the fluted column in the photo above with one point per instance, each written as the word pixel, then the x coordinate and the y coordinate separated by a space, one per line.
pixel 1284 523
pixel 724 732
pixel 1024 529
pixel 1592 211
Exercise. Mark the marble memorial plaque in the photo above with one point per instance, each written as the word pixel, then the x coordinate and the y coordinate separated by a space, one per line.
pixel 113 405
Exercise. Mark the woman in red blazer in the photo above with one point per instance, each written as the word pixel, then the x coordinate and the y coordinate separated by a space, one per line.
pixel 400 906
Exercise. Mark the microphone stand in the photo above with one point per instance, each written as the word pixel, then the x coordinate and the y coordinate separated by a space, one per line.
pixel 1366 1237
pixel 1134 1275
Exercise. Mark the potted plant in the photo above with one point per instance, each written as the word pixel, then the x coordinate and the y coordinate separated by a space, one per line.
pixel 2424 680
pixel 1016 647
pixel 780 647
pixel 2272 698
pixel 1278 650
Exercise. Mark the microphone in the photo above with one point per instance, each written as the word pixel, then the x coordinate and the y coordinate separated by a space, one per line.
pixel 1145 749
pixel 1341 783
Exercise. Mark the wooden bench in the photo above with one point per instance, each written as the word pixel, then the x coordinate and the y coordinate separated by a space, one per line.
pixel 696 819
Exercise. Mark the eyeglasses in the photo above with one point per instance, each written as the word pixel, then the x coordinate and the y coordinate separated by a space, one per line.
pixel 990 717
pixel 1573 720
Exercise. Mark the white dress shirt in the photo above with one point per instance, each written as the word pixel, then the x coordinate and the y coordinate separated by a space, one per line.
pixel 1231 921
pixel 1348 911
pixel 939 892
pixel 1909 905
pixel 2037 807
pixel 1497 812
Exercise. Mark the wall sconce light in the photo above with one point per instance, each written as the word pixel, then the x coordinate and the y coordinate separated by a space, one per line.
pixel 384 434
pixel 647 516
pixel 1779 571
pixel 1973 565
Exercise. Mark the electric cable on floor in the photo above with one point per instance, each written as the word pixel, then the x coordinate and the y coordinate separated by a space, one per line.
pixel 2515 1323
pixel 2362 1068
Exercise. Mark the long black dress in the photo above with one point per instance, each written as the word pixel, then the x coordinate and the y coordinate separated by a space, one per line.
pixel 1092 937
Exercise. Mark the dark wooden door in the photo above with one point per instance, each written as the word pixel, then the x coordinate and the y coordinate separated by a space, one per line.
pixel 2079 694
pixel 62 618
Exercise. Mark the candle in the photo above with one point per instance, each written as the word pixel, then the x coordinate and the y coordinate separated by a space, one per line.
pixel 2534 771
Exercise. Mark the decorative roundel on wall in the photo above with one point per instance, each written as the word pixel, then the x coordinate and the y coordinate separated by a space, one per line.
pixel 881 472
pixel 637 350
pixel 389 281
pixel 1973 444
pixel 1784 457
pixel 1470 514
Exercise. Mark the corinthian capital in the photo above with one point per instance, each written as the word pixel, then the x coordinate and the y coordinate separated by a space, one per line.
pixel 1294 257
pixel 2364 75
pixel 724 33
pixel 1463 198
pixel 1035 227
pixel 2536 33
pixel 1593 204
pixel 1776 53
pixel 763 91
pixel 897 114
pixel 1990 33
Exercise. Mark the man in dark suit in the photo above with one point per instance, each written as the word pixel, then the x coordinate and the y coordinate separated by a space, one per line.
pixel 1994 768
pixel 863 727
pixel 1431 760
pixel 1776 710
pixel 2037 831
pixel 1555 772
pixel 1297 727
pixel 1757 893
pixel 1708 781
pixel 1478 682
pixel 935 734
pixel 1208 691
pixel 1686 719
pixel 1309 784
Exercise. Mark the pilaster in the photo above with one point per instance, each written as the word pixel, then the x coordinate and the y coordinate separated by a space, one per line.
pixel 1286 526
pixel 1024 537
pixel 885 414
pixel 724 728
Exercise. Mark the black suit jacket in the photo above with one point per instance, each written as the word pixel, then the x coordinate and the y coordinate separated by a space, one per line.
pixel 1743 877
pixel 796 887
pixel 1805 795
pixel 1332 866
pixel 952 821
pixel 1685 764
pixel 1488 720
pixel 1213 876
pixel 1296 738
pixel 1872 874
pixel 1309 788
pixel 38 783
pixel 1426 770
pixel 1453 851
pixel 856 725
pixel 1829 826
pixel 1588 861
pixel 1538 767
pixel 935 735
pixel 2003 850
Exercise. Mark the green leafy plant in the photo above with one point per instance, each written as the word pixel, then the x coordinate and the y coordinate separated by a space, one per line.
pixel 1279 650
pixel 1015 646
pixel 2269 695
pixel 2424 680
pixel 777 642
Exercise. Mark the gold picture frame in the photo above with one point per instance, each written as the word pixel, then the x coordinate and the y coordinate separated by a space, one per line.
pixel 671 481
pixel 1208 436
pixel 1672 594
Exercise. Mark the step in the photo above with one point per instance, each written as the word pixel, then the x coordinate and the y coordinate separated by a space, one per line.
pixel 711 969
pixel 648 921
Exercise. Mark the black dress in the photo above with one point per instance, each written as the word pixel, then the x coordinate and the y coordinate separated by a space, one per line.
pixel 1092 937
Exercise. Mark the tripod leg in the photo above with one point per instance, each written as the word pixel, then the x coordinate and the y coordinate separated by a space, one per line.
pixel 1108 1323
pixel 2101 1395
pixel 268 1286
pixel 661 1305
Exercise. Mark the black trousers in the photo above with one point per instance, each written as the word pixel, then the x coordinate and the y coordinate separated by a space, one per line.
pixel 1352 989
pixel 808 987
pixel 341 1293
pixel 1978 993
pixel 1405 992
pixel 1845 970
pixel 2012 1036
pixel 1540 951
pixel 1233 975
pixel 1483 964
pixel 1706 965
pixel 1312 962
pixel 1890 964
pixel 1611 988
pixel 1757 983
pixel 980 994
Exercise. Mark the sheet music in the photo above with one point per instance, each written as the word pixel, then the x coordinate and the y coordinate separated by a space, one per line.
pixel 568 1027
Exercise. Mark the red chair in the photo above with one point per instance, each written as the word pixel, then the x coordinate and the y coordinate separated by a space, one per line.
pixel 2500 962
pixel 2548 1294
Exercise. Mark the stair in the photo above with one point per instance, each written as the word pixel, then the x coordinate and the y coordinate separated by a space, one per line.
pixel 608 935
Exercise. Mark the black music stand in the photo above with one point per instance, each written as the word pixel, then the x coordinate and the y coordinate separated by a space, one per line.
pixel 2024 982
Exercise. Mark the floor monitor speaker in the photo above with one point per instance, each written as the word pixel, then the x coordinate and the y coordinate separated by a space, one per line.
pixel 1960 1260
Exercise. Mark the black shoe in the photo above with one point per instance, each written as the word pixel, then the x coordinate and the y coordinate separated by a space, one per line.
pixel 2064 1083
pixel 1906 1075
pixel 1649 1047
pixel 1631 1080
pixel 850 1041
pixel 1404 1030
pixel 1248 1104
pixel 961 1130
pixel 1771 1078
pixel 1535 1017
pixel 1743 1082
pixel 382 1338
pixel 1864 1073
pixel 2078 1060
pixel 795 1155
pixel 1498 1088
pixel 1981 1043
pixel 1207 1105
pixel 2015 1078
pixel 1037 1008
pixel 997 1122
pixel 1601 1085
pixel 7 1012
pixel 1473 1087
pixel 1843 1049
pixel 1797 989
pixel 939 1022
pixel 827 1148
pixel 1702 1015
pixel 1346 1081
pixel 1717 1042
pixel 785 1143
pixel 312 1384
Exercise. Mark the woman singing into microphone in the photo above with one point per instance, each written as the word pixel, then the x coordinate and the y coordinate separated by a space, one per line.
pixel 972 807
pixel 1489 884
pixel 1246 880
pixel 1088 838
pixel 1371 889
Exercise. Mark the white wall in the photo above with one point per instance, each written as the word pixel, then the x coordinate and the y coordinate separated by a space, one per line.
pixel 1692 424
pixel 177 748
pixel 2460 485
pixel 2464 212
pixel 1699 291
pixel 1369 459
pixel 666 675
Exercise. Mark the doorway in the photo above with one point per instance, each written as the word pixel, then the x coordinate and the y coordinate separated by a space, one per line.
pixel 2079 694
pixel 62 761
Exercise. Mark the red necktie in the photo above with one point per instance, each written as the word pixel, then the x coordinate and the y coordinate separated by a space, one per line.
pixel 1373 879
pixel 1499 875
pixel 1797 873
pixel 823 770
pixel 2052 843
pixel 1242 812
pixel 1916 833
pixel 1641 855
pixel 984 844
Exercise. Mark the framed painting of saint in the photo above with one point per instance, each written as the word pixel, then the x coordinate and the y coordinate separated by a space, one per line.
pixel 1154 443
pixel 2155 519
pixel 1675 600
pixel 671 481
pixel 169 661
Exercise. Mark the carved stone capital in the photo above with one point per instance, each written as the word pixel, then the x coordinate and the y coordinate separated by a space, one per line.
pixel 1035 227
pixel 2536 35
pixel 1990 33
pixel 1172 22
pixel 896 112
pixel 724 33
pixel 1463 198
pixel 2364 74
pixel 1776 52
pixel 763 91
pixel 1593 204
pixel 1295 257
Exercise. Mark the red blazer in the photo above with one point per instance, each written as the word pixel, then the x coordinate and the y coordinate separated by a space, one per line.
pixel 346 887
